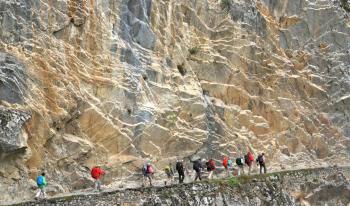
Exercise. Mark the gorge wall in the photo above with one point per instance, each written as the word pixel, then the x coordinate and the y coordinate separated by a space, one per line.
pixel 86 82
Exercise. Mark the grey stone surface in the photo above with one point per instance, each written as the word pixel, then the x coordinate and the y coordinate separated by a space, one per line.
pixel 135 23
pixel 13 87
pixel 249 16
pixel 11 122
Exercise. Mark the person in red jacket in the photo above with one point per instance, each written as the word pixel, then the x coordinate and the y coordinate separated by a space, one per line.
pixel 211 168
pixel 249 159
pixel 225 163
pixel 97 173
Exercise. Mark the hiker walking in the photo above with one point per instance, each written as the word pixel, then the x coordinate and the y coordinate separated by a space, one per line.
pixel 197 167
pixel 248 159
pixel 226 163
pixel 240 165
pixel 144 174
pixel 41 182
pixel 97 173
pixel 261 161
pixel 147 171
pixel 210 167
pixel 169 173
pixel 180 170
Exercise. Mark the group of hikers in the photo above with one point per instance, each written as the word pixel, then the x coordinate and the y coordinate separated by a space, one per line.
pixel 199 167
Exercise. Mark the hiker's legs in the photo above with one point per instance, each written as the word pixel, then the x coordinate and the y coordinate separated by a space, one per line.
pixel 43 193
pixel 210 174
pixel 165 181
pixel 98 184
pixel 227 172
pixel 144 180
pixel 264 168
pixel 37 195
pixel 150 179
pixel 169 180
pixel 198 176
pixel 250 168
pixel 261 167
pixel 181 177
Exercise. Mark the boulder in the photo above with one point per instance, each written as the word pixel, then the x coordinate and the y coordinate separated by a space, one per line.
pixel 12 136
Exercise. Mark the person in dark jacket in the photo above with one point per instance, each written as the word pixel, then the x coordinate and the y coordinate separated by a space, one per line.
pixel 180 170
pixel 240 165
pixel 261 161
pixel 197 167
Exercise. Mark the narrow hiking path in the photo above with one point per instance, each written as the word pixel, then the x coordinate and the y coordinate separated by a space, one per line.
pixel 306 174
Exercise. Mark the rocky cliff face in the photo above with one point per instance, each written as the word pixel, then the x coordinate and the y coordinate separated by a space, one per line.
pixel 112 82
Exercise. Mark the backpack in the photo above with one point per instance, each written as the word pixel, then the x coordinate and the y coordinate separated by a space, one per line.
pixel 144 169
pixel 260 159
pixel 246 159
pixel 212 164
pixel 95 172
pixel 239 161
pixel 229 163
pixel 40 181
pixel 197 166
pixel 179 166
pixel 251 157
pixel 149 169
pixel 167 170
pixel 225 162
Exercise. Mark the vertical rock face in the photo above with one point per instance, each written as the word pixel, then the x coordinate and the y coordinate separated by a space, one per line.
pixel 122 81
pixel 12 79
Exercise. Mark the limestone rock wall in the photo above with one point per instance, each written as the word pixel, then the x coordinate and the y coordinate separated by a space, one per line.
pixel 113 82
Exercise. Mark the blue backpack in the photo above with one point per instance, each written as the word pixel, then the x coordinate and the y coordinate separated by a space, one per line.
pixel 40 181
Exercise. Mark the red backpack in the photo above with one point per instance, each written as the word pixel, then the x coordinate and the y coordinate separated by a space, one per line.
pixel 149 169
pixel 251 157
pixel 96 172
pixel 225 162
pixel 212 164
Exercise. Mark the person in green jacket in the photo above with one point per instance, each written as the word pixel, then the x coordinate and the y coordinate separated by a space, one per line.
pixel 41 182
